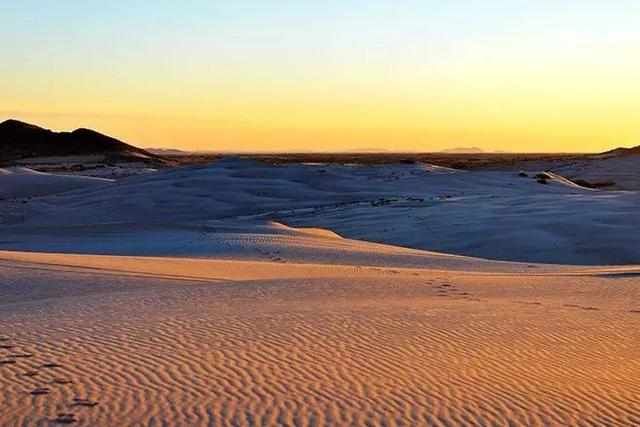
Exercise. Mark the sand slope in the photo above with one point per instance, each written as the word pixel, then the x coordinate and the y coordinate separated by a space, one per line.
pixel 19 182
pixel 619 172
pixel 158 342
pixel 495 215
pixel 240 294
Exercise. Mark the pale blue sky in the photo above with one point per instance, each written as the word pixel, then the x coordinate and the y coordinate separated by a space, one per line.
pixel 303 30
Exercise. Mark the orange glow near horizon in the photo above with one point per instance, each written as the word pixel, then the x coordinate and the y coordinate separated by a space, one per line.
pixel 424 78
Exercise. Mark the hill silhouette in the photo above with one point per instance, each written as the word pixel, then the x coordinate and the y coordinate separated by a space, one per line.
pixel 20 140
pixel 621 151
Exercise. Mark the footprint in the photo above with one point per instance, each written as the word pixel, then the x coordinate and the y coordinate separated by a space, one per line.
pixel 40 391
pixel 51 365
pixel 21 355
pixel 65 418
pixel 77 401
pixel 586 308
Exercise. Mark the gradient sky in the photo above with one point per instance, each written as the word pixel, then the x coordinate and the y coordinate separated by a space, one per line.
pixel 543 75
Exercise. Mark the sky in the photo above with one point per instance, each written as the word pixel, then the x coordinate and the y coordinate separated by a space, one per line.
pixel 332 75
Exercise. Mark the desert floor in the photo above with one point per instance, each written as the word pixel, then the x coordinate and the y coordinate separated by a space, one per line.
pixel 182 298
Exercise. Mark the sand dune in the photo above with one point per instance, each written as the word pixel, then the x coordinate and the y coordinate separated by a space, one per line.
pixel 240 294
pixel 314 344
pixel 19 182
pixel 610 170
pixel 494 215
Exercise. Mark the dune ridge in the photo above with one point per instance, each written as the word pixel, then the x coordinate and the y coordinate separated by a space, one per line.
pixel 493 215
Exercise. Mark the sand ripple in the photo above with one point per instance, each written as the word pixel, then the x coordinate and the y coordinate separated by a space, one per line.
pixel 398 349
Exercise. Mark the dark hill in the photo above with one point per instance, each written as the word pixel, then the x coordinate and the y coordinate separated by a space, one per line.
pixel 19 140
pixel 619 152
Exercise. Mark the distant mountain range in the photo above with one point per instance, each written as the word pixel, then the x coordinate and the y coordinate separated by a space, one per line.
pixel 463 150
pixel 169 152
pixel 20 140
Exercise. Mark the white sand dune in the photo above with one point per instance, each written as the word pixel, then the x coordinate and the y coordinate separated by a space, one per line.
pixel 620 172
pixel 495 215
pixel 181 298
pixel 20 182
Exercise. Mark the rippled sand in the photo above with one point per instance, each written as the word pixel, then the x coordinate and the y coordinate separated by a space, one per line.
pixel 178 342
